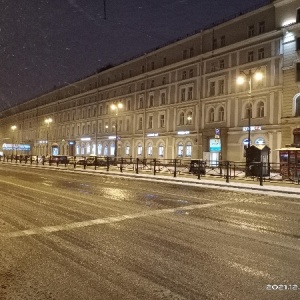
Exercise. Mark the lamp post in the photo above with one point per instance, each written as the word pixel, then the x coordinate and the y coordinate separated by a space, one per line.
pixel 48 121
pixel 13 128
pixel 249 76
pixel 115 107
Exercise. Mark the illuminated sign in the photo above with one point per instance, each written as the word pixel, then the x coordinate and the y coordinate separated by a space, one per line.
pixel 152 134
pixel 215 145
pixel 85 139
pixel 183 132
pixel 112 137
pixel 20 147
pixel 260 141
pixel 252 128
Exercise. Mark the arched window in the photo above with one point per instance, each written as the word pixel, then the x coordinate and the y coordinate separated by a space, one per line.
pixel 99 149
pixel 149 149
pixel 211 115
pixel 189 118
pixel 105 150
pixel 139 149
pixel 221 113
pixel 161 150
pixel 181 118
pixel 297 106
pixel 260 109
pixel 112 148
pixel 127 149
pixel 180 149
pixel 188 149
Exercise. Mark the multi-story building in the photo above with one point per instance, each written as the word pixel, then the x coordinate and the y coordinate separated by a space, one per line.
pixel 181 100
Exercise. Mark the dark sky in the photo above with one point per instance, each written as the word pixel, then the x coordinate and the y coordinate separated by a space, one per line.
pixel 44 43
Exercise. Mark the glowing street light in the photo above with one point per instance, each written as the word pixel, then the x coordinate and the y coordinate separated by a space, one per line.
pixel 13 128
pixel 115 107
pixel 48 121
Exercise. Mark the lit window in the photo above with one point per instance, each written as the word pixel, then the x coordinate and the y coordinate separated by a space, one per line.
pixel 188 149
pixel 149 149
pixel 139 150
pixel 180 150
pixel 161 150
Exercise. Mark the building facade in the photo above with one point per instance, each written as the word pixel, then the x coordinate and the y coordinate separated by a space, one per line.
pixel 181 100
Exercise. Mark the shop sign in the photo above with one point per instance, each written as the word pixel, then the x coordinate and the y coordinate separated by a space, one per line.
pixel 215 145
pixel 252 128
pixel 152 134
pixel 183 132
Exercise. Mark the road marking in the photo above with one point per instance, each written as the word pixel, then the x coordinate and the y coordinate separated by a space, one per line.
pixel 109 220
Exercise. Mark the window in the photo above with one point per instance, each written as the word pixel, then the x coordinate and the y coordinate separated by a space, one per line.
pixel 181 118
pixel 189 118
pixel 212 67
pixel 105 152
pixel 143 69
pixel 191 52
pixel 260 112
pixel 127 124
pixel 180 149
pixel 261 27
pixel 297 107
pixel 151 101
pixel 150 122
pixel 298 72
pixel 222 44
pixel 149 149
pixel 250 31
pixel 163 98
pixel 139 149
pixel 190 93
pixel 128 104
pixel 221 113
pixel 212 87
pixel 161 150
pixel 261 53
pixel 152 65
pixel 142 86
pixel 127 149
pixel 106 127
pixel 99 149
pixel 215 44
pixel 130 73
pixel 221 64
pixel 248 111
pixel 211 115
pixel 298 15
pixel 221 87
pixel 164 61
pixel 152 83
pixel 250 56
pixel 183 75
pixel 183 94
pixel 188 149
pixel 162 121
pixel 191 73
pixel 141 102
pixel 184 54
pixel 140 123
pixel 112 149
pixel 164 80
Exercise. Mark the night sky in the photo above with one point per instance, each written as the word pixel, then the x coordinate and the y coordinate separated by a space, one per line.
pixel 47 43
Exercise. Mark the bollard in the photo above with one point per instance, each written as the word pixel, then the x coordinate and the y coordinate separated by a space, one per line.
pixel 121 165
pixel 137 166
pixel 175 162
pixel 154 170
pixel 199 169
pixel 227 171
pixel 261 173
pixel 95 162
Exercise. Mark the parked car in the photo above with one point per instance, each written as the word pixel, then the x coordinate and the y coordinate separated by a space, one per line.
pixel 61 159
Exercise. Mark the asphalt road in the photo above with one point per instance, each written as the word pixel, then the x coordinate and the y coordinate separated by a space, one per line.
pixel 80 236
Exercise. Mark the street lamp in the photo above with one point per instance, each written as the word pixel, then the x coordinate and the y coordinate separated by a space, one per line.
pixel 13 128
pixel 115 107
pixel 47 121
pixel 256 75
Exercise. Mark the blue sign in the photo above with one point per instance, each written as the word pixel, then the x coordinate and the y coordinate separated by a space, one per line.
pixel 215 145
